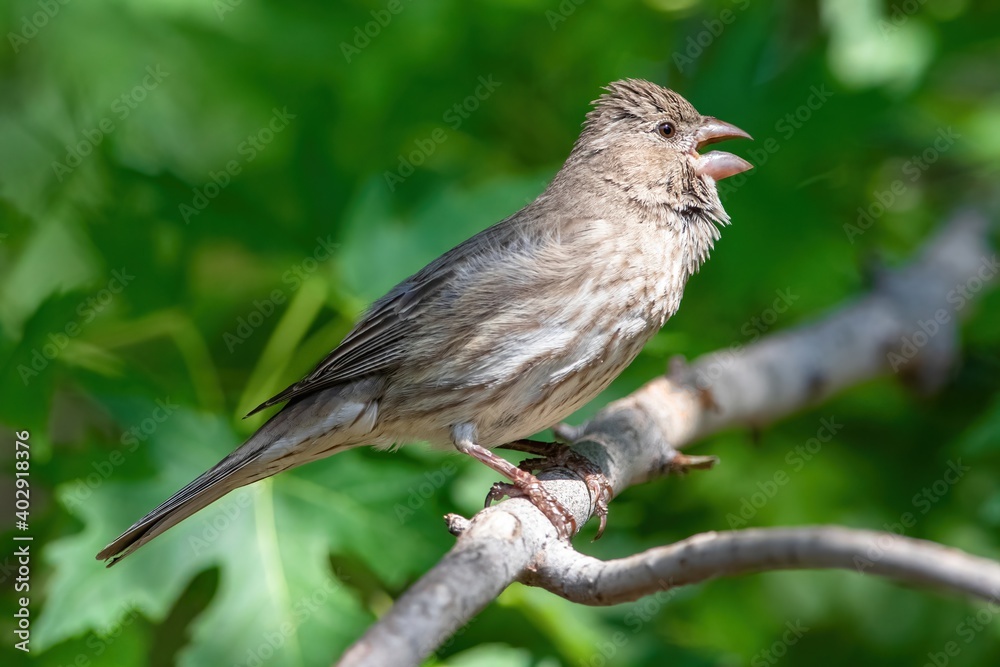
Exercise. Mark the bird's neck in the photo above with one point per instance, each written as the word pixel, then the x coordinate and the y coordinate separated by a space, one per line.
pixel 697 230
pixel 693 224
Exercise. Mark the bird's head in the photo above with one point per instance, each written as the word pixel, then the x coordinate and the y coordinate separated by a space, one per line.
pixel 645 139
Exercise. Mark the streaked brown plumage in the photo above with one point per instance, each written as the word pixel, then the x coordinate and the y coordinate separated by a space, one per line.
pixel 511 331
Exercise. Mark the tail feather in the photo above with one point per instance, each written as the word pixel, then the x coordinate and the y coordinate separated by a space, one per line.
pixel 227 475
pixel 251 461
pixel 305 430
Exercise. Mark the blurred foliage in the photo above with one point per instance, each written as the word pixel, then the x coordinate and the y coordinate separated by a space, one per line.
pixel 195 206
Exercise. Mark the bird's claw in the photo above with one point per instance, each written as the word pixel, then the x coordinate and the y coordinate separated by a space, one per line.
pixel 557 456
pixel 499 490
pixel 546 503
pixel 600 496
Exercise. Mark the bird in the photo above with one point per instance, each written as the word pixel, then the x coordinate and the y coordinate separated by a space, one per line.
pixel 510 332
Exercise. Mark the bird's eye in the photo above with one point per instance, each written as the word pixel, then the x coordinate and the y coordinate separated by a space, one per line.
pixel 666 129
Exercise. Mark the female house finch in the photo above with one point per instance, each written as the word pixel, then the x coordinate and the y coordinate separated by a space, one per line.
pixel 514 329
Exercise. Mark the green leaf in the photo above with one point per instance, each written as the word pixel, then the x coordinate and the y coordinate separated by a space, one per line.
pixel 277 598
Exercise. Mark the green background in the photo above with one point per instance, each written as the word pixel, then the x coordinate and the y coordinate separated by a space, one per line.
pixel 290 571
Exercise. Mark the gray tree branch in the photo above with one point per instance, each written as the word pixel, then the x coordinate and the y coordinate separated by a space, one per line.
pixel 586 580
pixel 638 437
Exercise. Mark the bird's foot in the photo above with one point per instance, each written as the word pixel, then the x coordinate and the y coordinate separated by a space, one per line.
pixel 524 485
pixel 560 456
pixel 531 488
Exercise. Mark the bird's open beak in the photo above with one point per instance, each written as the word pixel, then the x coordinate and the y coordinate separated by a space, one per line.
pixel 719 164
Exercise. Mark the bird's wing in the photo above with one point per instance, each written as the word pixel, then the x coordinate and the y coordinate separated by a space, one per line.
pixel 513 248
pixel 377 342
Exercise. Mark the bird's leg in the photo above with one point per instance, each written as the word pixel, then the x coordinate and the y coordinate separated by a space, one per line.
pixel 555 455
pixel 524 484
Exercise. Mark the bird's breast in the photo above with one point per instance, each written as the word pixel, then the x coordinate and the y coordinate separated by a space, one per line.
pixel 525 366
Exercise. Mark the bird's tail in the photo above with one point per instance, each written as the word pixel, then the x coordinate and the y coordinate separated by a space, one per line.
pixel 228 474
pixel 304 431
